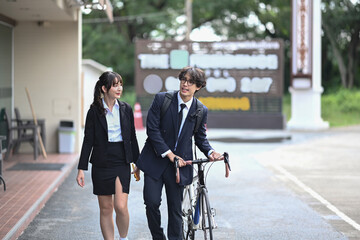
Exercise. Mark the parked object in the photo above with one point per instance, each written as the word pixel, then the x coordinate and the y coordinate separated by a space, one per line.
pixel 35 122
pixel 2 181
pixel 32 137
pixel 23 132
pixel 66 137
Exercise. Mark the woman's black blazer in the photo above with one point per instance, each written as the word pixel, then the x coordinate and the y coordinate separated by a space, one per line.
pixel 96 137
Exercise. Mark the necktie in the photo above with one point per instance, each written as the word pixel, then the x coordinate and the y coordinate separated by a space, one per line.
pixel 180 116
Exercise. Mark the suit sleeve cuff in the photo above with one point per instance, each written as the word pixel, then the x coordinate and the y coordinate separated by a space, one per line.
pixel 210 152
pixel 165 153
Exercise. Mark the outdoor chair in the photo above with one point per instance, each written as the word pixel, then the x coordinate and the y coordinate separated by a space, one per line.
pixel 2 180
pixel 24 133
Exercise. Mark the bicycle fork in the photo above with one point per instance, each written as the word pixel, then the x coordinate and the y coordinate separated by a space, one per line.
pixel 197 218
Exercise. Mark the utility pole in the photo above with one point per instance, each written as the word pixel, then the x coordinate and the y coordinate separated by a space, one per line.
pixel 188 10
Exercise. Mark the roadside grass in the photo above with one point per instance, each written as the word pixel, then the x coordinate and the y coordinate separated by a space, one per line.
pixel 339 108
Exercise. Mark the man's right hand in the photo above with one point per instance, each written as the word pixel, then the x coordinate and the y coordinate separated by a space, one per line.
pixel 172 156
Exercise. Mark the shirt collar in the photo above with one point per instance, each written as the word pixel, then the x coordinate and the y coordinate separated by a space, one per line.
pixel 180 101
pixel 106 106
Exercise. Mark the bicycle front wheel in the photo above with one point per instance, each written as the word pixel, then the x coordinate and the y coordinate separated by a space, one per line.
pixel 187 215
pixel 207 217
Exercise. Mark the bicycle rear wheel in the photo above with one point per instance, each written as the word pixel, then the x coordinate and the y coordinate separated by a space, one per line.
pixel 187 215
pixel 207 224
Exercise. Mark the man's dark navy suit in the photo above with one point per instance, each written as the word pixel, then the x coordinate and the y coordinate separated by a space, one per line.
pixel 162 136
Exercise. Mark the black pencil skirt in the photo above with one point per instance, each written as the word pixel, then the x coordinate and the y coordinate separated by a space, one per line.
pixel 104 178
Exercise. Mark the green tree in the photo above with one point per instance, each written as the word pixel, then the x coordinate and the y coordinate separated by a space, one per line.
pixel 341 25
pixel 113 44
pixel 267 19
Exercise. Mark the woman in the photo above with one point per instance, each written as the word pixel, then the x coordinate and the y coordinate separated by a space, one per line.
pixel 111 140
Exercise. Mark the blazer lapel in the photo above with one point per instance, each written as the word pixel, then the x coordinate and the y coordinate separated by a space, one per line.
pixel 174 114
pixel 103 122
pixel 123 117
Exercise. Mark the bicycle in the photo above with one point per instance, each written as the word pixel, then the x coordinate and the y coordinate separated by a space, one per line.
pixel 196 210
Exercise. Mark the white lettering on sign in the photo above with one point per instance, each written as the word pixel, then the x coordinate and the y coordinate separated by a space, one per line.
pixel 220 84
pixel 238 61
pixel 157 61
pixel 255 85
pixel 214 61
pixel 234 46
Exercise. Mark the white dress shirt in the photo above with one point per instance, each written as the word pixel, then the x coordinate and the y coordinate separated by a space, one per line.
pixel 185 110
pixel 185 113
pixel 113 122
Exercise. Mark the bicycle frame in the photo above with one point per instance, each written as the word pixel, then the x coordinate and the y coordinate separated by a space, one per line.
pixel 197 213
pixel 201 188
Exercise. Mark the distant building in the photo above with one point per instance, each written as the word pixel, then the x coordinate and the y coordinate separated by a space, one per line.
pixel 91 70
pixel 41 49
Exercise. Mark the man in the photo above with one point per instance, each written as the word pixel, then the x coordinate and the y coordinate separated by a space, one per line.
pixel 170 136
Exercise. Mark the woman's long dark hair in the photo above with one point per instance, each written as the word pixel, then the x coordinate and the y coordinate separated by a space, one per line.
pixel 107 79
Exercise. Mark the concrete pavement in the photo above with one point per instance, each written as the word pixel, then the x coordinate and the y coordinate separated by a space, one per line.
pixel 266 197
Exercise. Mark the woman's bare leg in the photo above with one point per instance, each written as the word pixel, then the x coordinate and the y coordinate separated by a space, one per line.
pixel 121 209
pixel 106 216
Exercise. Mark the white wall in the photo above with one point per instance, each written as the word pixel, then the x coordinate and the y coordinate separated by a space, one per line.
pixel 47 61
pixel 91 76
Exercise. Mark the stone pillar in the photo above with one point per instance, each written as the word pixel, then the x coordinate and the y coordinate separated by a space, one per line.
pixel 306 86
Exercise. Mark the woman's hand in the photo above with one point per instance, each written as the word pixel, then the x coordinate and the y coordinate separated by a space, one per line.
pixel 136 172
pixel 80 178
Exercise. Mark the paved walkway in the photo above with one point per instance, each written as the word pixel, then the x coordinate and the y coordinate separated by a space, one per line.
pixel 272 193
pixel 28 188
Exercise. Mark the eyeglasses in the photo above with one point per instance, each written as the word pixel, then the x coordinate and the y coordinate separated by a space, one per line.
pixel 189 82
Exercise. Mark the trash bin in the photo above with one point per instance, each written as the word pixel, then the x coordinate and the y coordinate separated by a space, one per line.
pixel 66 137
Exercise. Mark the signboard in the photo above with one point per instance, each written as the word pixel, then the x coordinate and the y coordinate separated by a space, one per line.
pixel 244 78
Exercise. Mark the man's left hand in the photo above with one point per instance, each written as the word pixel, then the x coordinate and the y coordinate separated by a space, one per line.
pixel 215 156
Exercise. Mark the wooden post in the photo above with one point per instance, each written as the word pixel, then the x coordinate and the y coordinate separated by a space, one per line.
pixel 188 10
pixel 35 122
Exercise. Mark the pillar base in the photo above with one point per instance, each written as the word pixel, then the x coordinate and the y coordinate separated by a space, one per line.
pixel 313 126
pixel 306 110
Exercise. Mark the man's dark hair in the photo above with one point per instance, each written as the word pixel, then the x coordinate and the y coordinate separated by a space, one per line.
pixel 196 74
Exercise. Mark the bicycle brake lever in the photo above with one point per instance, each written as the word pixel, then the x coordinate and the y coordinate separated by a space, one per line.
pixel 177 172
pixel 176 162
pixel 226 159
pixel 227 164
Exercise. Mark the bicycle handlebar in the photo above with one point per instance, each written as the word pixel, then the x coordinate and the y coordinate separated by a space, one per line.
pixel 200 161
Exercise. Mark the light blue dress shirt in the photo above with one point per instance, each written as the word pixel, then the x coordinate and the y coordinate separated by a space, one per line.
pixel 113 122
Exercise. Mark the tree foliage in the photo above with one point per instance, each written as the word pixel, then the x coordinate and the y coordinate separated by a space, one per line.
pixel 341 25
pixel 113 44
